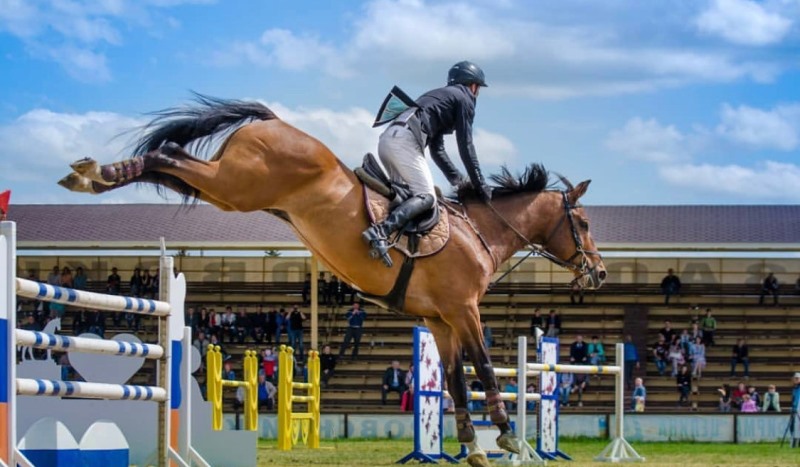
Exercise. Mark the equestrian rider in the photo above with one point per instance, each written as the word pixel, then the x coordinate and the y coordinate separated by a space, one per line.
pixel 401 150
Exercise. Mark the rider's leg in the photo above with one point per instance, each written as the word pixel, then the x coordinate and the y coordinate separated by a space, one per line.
pixel 378 234
pixel 401 154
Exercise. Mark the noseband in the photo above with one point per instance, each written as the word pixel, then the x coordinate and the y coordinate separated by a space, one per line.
pixel 583 269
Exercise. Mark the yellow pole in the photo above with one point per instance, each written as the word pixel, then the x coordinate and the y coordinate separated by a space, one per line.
pixel 214 385
pixel 251 390
pixel 313 391
pixel 285 376
pixel 314 304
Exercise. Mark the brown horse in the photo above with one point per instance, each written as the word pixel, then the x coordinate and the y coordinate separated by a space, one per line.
pixel 265 164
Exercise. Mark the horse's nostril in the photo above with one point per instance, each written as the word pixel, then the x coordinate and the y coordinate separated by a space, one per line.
pixel 602 275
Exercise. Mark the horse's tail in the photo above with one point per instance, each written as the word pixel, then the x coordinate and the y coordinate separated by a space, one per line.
pixel 199 123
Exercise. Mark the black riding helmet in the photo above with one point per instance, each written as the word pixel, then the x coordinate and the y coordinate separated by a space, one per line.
pixel 466 73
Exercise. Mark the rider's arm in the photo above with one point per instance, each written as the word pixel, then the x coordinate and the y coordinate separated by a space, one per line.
pixel 465 147
pixel 442 160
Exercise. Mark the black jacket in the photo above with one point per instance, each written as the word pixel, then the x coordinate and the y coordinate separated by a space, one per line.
pixel 443 111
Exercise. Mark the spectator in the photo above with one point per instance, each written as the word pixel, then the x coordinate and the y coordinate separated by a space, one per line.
pixel 724 398
pixel 258 326
pixel 214 323
pixel 355 327
pixel 670 285
pixel 266 392
pixel 394 380
pixel 537 321
pixel 769 286
pixel 738 396
pixel 282 322
pixel 660 352
pixel 675 355
pixel 80 282
pixel 553 325
pixel 228 323
pixel 530 406
pixel 748 404
pixel 296 318
pixel 114 287
pixel 137 283
pixel 336 291
pixel 269 364
pixel 153 286
pixel 201 344
pixel 579 385
pixel 54 278
pixel 796 409
pixel 306 290
pixel 754 395
pixel 566 380
pixel 695 332
pixel 597 354
pixel 684 382
pixel 271 326
pixel 578 351
pixel 698 350
pixel 322 289
pixel 227 371
pixel 488 340
pixel 511 386
pixel 740 354
pixel 631 359
pixel 772 400
pixel 639 396
pixel 576 294
pixel 67 279
pixel 244 327
pixel 667 331
pixel 192 319
pixel 407 399
pixel 327 365
pixel 709 326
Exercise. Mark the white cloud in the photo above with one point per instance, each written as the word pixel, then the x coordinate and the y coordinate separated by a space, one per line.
pixel 75 33
pixel 648 140
pixel 743 22
pixel 778 128
pixel 563 58
pixel 768 180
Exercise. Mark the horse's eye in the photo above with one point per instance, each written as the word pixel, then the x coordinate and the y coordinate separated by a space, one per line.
pixel 584 225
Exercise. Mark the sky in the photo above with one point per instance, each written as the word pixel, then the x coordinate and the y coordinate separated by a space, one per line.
pixel 670 102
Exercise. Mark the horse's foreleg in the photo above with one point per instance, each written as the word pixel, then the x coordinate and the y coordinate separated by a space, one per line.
pixel 471 336
pixel 450 355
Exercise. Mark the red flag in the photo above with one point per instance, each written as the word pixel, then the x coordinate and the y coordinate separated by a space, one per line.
pixel 5 197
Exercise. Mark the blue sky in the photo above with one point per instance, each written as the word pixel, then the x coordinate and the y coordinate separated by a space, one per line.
pixel 674 102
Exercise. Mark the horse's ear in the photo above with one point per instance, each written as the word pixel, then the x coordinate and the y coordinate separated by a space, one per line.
pixel 575 194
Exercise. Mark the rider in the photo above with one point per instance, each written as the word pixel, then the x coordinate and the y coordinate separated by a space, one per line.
pixel 425 122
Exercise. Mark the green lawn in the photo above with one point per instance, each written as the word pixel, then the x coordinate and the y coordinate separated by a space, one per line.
pixel 385 453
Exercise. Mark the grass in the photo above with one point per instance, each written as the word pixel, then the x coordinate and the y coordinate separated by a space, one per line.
pixel 386 452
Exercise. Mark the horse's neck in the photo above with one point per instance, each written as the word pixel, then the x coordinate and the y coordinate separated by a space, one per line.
pixel 528 214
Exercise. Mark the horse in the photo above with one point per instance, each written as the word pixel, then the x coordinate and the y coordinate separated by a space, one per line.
pixel 264 164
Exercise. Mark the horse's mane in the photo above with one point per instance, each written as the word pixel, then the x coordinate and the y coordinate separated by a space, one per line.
pixel 534 179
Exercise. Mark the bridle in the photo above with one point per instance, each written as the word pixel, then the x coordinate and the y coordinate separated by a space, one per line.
pixel 583 269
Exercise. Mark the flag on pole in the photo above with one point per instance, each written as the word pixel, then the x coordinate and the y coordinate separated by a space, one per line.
pixel 5 197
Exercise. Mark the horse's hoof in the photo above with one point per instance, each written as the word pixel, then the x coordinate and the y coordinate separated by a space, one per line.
pixel 478 459
pixel 77 183
pixel 82 166
pixel 509 442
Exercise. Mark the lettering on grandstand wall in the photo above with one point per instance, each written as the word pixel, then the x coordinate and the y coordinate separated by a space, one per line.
pixel 706 428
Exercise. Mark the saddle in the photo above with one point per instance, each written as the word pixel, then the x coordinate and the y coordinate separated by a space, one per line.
pixel 424 236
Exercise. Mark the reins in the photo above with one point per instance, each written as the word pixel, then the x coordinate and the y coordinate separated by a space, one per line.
pixel 541 250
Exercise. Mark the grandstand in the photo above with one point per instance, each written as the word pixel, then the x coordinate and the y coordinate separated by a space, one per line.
pixel 721 253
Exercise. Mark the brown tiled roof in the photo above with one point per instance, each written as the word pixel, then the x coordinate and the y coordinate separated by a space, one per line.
pixel 203 226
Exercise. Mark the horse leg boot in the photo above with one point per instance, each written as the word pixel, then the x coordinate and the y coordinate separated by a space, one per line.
pixel 476 457
pixel 377 235
pixel 498 415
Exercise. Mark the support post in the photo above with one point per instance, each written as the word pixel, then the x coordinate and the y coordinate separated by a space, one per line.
pixel 8 358
pixel 314 304
pixel 618 450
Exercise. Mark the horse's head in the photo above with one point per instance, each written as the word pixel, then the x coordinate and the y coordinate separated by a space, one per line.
pixel 570 243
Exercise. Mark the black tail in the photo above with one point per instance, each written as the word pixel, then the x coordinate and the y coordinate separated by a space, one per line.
pixel 199 123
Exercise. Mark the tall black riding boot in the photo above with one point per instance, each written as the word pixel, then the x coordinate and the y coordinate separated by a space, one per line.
pixel 378 235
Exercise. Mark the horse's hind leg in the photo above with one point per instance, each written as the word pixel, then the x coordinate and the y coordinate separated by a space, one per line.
pixel 450 354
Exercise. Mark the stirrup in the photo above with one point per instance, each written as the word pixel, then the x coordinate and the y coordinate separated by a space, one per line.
pixel 379 247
